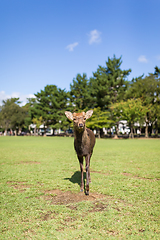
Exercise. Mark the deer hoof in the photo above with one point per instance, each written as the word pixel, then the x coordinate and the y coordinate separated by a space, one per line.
pixel 87 193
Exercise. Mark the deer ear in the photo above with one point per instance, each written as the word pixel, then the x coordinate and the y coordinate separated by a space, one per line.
pixel 69 115
pixel 89 114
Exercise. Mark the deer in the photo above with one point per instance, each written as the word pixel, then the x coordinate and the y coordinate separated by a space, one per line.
pixel 84 141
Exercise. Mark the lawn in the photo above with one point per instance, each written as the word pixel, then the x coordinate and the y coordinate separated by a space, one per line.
pixel 40 190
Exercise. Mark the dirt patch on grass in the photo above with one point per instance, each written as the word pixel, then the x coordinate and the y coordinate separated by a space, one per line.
pixel 132 176
pixel 99 203
pixel 98 206
pixel 29 162
pixel 58 197
pixel 29 232
pixel 107 173
pixel 22 186
pixel 47 216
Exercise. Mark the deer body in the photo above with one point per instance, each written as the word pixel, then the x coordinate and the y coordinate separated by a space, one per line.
pixel 84 141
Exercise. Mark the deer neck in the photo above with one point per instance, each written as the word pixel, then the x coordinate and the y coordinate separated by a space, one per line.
pixel 80 135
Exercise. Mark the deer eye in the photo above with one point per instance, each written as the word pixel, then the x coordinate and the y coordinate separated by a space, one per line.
pixel 74 119
pixel 84 118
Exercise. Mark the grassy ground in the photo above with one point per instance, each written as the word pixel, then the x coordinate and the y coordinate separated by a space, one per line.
pixel 40 196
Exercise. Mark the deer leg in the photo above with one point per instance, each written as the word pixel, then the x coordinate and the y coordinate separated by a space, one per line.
pixel 81 168
pixel 87 174
pixel 89 169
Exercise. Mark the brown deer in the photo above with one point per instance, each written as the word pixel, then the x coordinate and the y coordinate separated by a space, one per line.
pixel 84 141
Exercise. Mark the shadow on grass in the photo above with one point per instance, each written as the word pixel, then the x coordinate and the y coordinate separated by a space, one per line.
pixel 76 178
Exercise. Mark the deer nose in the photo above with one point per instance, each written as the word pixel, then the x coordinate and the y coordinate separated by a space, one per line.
pixel 80 125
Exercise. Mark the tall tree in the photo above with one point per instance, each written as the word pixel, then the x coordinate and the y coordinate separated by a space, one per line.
pixel 12 116
pixel 109 83
pixel 148 89
pixel 131 110
pixel 80 95
pixel 157 71
pixel 157 118
pixel 28 108
pixel 50 105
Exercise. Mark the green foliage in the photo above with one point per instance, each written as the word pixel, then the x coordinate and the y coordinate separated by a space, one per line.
pixel 12 115
pixel 28 108
pixel 99 119
pixel 51 104
pixel 80 94
pixel 38 122
pixel 157 71
pixel 133 110
pixel 109 83
pixel 148 89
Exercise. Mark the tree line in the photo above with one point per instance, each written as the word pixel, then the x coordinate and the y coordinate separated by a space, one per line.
pixel 108 92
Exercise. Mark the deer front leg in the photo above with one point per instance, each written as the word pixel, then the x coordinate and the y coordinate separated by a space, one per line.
pixel 81 168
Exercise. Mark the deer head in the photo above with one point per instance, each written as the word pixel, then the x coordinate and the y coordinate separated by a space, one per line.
pixel 79 119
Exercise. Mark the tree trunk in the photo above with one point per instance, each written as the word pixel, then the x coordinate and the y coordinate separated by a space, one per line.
pixel 11 132
pixel 44 135
pixel 140 131
pixel 146 130
pixel 116 131
pixel 98 133
pixel 110 133
pixel 156 129
pixel 156 133
pixel 19 131
pixel 101 133
pixel 35 130
pixel 131 134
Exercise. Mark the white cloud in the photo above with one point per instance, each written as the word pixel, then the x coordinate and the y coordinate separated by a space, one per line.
pixel 23 98
pixel 71 47
pixel 142 59
pixel 94 36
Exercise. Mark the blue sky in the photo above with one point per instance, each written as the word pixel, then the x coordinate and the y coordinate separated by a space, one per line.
pixel 51 41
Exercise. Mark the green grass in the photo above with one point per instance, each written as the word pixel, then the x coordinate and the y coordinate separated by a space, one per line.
pixel 40 196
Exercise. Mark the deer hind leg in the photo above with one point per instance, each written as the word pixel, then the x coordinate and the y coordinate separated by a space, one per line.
pixel 81 168
pixel 89 169
pixel 87 173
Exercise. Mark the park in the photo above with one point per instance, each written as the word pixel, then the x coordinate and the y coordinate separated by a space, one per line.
pixel 41 198
pixel 79 120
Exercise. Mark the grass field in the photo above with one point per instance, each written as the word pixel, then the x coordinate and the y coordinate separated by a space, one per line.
pixel 40 184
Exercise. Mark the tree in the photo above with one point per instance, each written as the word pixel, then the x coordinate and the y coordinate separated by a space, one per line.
pixel 50 105
pixel 29 114
pixel 38 122
pixel 116 116
pixel 133 110
pixel 99 120
pixel 157 71
pixel 157 119
pixel 12 115
pixel 109 83
pixel 80 94
pixel 148 89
